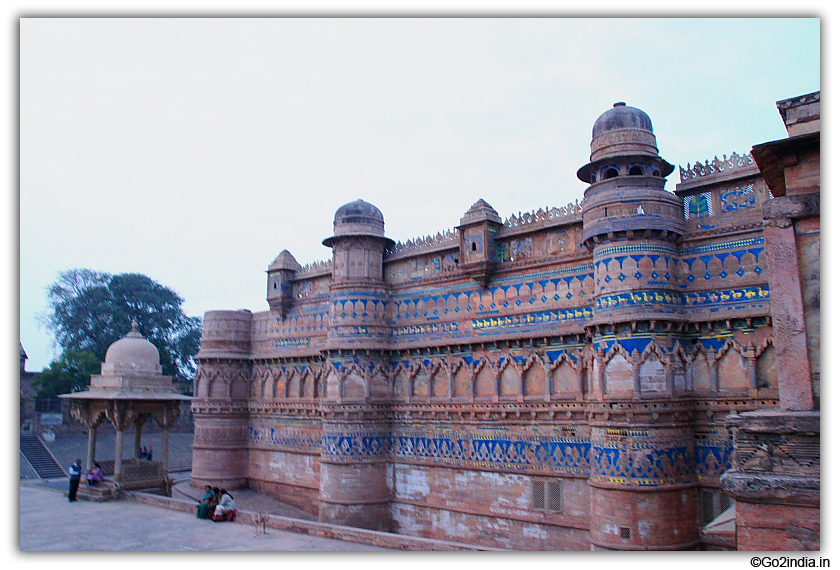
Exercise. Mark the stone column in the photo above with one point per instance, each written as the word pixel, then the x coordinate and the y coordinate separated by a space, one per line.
pixel 138 437
pixel 168 419
pixel 787 308
pixel 118 463
pixel 91 450
pixel 119 417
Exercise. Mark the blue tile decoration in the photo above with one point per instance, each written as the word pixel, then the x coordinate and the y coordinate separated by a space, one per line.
pixel 641 464
pixel 738 198
pixel 426 329
pixel 634 460
pixel 291 342
pixel 501 322
pixel 743 243
pixel 639 298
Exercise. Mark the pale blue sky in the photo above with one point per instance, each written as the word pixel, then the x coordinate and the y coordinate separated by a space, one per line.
pixel 195 150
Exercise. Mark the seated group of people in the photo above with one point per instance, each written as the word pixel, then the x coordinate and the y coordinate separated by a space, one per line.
pixel 96 475
pixel 216 504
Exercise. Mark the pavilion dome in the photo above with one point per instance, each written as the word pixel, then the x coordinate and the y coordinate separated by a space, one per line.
pixel 133 353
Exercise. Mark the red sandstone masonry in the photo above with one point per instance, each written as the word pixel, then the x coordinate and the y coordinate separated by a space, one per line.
pixel 338 532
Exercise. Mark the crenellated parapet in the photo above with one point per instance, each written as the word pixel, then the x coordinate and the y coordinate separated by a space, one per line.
pixel 567 212
pixel 314 268
pixel 732 163
pixel 425 243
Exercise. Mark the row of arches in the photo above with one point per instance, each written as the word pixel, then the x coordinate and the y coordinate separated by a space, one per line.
pixel 732 368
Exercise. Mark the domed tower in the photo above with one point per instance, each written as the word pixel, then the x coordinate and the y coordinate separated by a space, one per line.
pixel 358 292
pixel 641 478
pixel 354 492
pixel 630 222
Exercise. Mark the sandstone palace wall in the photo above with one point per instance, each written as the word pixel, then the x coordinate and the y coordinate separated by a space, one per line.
pixel 555 380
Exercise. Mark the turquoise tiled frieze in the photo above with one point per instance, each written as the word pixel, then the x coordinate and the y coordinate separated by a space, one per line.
pixel 638 462
pixel 298 436
pixel 463 448
pixel 577 314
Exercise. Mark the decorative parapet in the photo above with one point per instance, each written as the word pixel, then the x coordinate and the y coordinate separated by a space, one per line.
pixel 448 237
pixel 734 162
pixel 520 219
pixel 314 268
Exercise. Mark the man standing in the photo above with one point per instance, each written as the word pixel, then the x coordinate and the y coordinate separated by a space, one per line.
pixel 75 476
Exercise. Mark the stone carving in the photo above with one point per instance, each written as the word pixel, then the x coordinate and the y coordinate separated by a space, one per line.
pixel 447 237
pixel 315 267
pixel 735 161
pixel 544 215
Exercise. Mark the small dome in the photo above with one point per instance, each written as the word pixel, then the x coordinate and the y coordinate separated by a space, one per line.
pixel 357 218
pixel 622 117
pixel 359 212
pixel 622 131
pixel 133 353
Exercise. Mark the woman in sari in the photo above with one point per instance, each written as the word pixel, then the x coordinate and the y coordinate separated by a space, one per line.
pixel 204 506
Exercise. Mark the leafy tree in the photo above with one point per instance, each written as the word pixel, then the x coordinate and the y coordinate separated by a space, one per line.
pixel 90 310
pixel 70 373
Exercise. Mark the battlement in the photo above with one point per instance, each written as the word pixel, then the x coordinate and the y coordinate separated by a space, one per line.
pixel 733 164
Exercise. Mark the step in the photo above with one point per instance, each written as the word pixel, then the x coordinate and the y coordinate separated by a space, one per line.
pixel 40 458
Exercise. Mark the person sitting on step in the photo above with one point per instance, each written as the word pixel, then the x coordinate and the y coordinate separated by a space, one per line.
pixel 226 509
pixel 96 475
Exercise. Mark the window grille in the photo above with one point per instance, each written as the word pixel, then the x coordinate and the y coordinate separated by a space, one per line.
pixel 48 405
pixel 547 495
pixel 712 503
pixel 625 533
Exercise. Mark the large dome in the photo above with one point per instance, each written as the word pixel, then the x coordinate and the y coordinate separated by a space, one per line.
pixel 133 353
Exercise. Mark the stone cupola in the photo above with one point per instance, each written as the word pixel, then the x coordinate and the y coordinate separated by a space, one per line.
pixel 280 274
pixel 478 230
pixel 358 242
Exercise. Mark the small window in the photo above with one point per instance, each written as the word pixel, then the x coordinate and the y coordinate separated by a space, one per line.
pixel 547 495
pixel 625 533
pixel 593 179
pixel 657 173
pixel 712 503
pixel 636 171
pixel 473 246
pixel 610 173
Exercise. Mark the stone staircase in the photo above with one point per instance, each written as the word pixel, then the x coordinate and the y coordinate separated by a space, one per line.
pixel 40 458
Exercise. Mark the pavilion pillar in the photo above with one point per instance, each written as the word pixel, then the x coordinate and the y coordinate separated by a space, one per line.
pixel 164 452
pixel 91 450
pixel 138 438
pixel 119 417
pixel 118 463
pixel 169 415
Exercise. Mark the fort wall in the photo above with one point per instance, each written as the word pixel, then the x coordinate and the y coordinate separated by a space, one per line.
pixel 558 379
